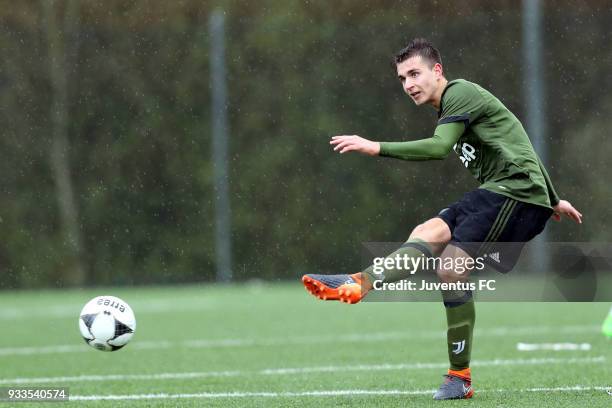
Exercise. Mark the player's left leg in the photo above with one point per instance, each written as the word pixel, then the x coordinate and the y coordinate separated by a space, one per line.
pixel 483 220
pixel 460 317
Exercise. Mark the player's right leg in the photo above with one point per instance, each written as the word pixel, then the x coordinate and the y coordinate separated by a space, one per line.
pixel 427 239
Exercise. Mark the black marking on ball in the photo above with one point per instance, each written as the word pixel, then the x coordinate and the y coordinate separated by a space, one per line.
pixel 120 329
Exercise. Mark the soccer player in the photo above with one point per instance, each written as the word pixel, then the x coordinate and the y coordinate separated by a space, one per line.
pixel 513 203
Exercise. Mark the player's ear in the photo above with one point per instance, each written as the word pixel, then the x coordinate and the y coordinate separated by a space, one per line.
pixel 438 70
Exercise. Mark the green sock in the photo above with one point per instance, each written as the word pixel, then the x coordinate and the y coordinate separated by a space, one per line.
pixel 460 318
pixel 408 253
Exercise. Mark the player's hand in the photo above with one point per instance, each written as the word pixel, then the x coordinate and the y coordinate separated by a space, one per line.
pixel 565 208
pixel 354 143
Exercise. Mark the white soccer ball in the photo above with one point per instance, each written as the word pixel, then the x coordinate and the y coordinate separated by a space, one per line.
pixel 107 323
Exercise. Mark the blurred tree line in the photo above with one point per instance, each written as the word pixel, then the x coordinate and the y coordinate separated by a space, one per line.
pixel 105 147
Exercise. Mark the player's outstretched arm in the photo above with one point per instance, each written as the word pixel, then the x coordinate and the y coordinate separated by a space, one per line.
pixel 434 148
pixel 565 208
pixel 354 143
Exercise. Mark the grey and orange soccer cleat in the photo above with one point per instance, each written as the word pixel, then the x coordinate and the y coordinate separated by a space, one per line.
pixel 454 388
pixel 345 288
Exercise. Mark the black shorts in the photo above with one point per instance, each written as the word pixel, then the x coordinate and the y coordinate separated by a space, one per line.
pixel 496 227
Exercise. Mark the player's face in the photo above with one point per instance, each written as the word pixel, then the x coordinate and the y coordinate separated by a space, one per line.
pixel 419 80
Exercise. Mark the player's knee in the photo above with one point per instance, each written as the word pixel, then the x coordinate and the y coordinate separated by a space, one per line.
pixel 450 275
pixel 418 231
pixel 446 275
pixel 434 231
pixel 455 266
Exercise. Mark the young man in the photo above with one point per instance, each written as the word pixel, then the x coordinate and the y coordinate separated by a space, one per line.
pixel 513 203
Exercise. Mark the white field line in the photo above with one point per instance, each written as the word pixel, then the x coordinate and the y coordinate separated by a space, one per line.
pixel 553 346
pixel 301 370
pixel 297 340
pixel 119 377
pixel 323 393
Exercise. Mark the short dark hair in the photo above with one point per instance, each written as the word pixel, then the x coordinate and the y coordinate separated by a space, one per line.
pixel 422 48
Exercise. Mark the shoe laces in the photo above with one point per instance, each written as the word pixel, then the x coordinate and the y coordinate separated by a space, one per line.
pixel 450 378
pixel 447 380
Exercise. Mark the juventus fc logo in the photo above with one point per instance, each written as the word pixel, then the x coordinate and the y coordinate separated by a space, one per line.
pixel 458 346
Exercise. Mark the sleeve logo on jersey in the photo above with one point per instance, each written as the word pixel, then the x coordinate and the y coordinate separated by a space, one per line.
pixel 466 152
